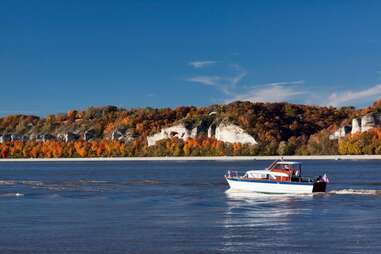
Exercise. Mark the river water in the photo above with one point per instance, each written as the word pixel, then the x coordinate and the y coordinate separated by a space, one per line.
pixel 183 207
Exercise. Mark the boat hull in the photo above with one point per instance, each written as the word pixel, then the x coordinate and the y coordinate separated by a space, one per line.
pixel 271 186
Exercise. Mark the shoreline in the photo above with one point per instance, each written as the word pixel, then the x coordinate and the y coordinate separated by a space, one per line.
pixel 201 158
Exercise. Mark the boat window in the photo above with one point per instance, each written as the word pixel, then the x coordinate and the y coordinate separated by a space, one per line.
pixel 297 170
pixel 296 167
pixel 283 166
pixel 288 166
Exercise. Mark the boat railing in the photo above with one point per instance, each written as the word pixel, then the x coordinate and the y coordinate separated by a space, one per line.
pixel 235 173
pixel 308 179
pixel 242 174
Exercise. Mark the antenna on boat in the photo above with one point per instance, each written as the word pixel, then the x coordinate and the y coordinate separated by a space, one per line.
pixel 272 165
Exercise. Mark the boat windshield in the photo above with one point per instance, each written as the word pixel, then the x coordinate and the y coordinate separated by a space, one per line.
pixel 285 166
pixel 294 168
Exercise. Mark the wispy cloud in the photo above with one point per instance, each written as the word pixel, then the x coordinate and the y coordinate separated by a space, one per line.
pixel 348 97
pixel 294 91
pixel 206 80
pixel 240 74
pixel 231 84
pixel 272 92
pixel 201 64
pixel 224 83
pixel 283 83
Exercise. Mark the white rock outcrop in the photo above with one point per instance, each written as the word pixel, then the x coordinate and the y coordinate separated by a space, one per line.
pixel 340 133
pixel 121 134
pixel 336 135
pixel 233 134
pixel 194 132
pixel 224 132
pixel 89 135
pixel 154 138
pixel 211 130
pixel 367 122
pixel 68 136
pixel 362 124
pixel 178 131
pixel 5 138
pixel 355 126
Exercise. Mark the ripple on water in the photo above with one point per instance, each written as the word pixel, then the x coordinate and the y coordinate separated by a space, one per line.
pixel 356 192
pixel 12 194
pixel 7 182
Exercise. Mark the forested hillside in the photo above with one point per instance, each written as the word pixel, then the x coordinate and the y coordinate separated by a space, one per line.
pixel 279 128
pixel 365 139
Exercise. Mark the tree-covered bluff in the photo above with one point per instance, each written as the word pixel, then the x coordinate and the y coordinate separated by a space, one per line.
pixel 278 128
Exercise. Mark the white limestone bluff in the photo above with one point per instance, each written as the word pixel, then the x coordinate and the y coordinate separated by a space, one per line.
pixel 362 124
pixel 178 131
pixel 340 133
pixel 355 125
pixel 223 132
pixel 232 133
pixel 367 122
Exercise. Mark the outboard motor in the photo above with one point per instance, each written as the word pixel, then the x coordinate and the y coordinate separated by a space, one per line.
pixel 320 184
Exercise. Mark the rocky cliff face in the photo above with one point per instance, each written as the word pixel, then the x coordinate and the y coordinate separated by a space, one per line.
pixel 224 132
pixel 367 122
pixel 178 131
pixel 212 130
pixel 362 124
pixel 233 134
pixel 68 136
pixel 355 125
pixel 341 132
pixel 121 134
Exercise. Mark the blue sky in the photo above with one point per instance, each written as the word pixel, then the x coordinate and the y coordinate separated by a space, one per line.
pixel 60 55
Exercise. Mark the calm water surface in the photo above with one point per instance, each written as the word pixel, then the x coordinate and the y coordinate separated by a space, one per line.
pixel 183 207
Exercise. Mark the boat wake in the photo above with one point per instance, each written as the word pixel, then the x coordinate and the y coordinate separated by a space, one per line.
pixel 12 194
pixel 356 192
pixel 7 182
pixel 247 196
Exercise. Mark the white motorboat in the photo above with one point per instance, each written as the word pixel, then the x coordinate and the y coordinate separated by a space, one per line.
pixel 280 177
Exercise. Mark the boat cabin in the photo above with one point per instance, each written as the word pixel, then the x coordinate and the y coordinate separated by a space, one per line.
pixel 292 169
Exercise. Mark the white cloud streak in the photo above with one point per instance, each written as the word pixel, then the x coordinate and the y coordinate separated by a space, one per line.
pixel 233 89
pixel 201 64
pixel 272 92
pixel 206 80
pixel 348 97
pixel 283 83
pixel 225 84
pixel 286 91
